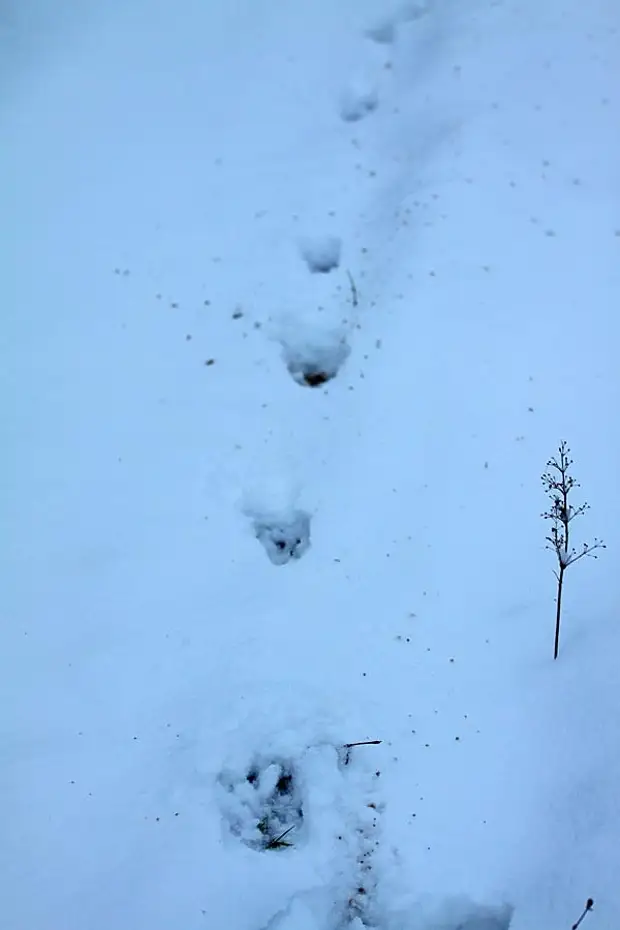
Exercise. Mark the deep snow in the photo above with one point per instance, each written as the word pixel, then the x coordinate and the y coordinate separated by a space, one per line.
pixel 339 277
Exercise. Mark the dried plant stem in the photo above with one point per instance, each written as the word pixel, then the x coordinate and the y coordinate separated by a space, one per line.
pixel 558 484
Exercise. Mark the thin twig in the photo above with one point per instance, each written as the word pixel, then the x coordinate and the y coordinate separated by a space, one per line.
pixel 586 910
pixel 277 841
pixel 354 294
pixel 349 746
pixel 365 742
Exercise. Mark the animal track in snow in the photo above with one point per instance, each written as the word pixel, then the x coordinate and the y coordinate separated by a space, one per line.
pixel 342 819
pixel 263 805
pixel 413 10
pixel 321 253
pixel 358 100
pixel 313 363
pixel 339 811
pixel 383 32
pixel 285 536
pixel 360 97
pixel 271 503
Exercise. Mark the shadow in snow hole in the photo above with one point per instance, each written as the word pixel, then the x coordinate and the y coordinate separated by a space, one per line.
pixel 312 365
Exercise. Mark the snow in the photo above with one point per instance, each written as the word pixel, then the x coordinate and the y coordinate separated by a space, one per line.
pixel 342 277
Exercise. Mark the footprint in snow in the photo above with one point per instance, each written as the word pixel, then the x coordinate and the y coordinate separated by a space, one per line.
pixel 413 10
pixel 263 806
pixel 313 363
pixel 357 101
pixel 321 253
pixel 384 31
pixel 285 537
pixel 360 96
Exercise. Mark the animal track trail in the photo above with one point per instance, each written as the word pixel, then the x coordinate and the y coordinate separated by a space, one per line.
pixel 362 774
pixel 315 337
pixel 368 86
pixel 316 341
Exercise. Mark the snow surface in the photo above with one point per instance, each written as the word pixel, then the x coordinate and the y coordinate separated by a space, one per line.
pixel 172 173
